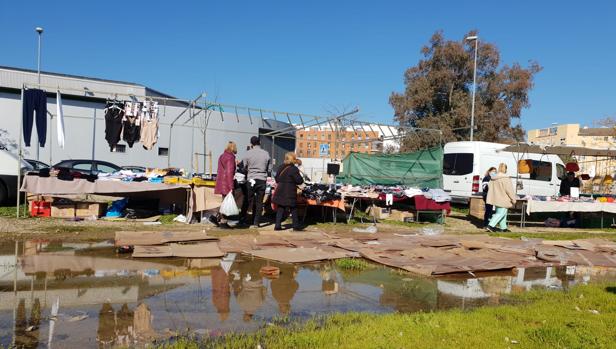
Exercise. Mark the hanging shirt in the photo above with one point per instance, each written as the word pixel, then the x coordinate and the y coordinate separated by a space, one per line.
pixel 60 120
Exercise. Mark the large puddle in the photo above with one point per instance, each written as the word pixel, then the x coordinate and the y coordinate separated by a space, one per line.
pixel 68 295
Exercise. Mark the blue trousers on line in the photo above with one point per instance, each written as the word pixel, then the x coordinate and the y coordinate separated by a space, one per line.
pixel 499 217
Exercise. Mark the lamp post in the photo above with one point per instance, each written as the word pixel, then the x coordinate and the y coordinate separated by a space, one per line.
pixel 39 30
pixel 476 39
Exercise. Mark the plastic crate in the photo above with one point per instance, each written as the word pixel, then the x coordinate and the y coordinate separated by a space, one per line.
pixel 40 209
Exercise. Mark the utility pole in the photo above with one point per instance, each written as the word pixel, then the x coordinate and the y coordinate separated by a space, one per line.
pixel 476 38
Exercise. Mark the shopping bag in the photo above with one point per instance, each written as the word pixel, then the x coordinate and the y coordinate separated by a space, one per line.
pixel 229 207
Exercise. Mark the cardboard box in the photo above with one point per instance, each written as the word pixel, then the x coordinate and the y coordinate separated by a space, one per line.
pixel 402 216
pixel 477 207
pixel 78 209
pixel 378 212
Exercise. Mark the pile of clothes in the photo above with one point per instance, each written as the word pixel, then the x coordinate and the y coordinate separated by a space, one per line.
pixel 394 193
pixel 321 192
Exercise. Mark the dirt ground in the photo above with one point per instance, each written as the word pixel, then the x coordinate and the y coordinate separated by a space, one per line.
pixel 57 229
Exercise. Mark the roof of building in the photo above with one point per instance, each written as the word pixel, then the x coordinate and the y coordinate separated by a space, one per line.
pixel 24 70
pixel 601 132
pixel 77 85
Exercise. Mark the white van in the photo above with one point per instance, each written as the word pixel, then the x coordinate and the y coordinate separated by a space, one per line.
pixel 8 175
pixel 465 164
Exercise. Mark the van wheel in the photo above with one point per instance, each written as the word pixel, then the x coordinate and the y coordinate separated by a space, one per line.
pixel 3 193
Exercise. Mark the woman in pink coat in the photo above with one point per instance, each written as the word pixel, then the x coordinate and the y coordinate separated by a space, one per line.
pixel 224 177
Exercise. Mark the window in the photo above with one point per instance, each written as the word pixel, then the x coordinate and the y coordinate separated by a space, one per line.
pixel 83 166
pixel 104 168
pixel 163 151
pixel 329 137
pixel 457 164
pixel 120 148
pixel 301 135
pixel 309 145
pixel 560 171
pixel 541 171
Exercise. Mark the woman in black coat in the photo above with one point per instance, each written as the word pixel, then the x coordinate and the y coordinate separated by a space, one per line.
pixel 288 178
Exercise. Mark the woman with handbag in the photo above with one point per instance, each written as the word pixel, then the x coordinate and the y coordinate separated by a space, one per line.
pixel 224 177
pixel 288 177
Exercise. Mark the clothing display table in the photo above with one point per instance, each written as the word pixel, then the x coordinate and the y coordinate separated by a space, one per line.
pixel 533 206
pixel 334 205
pixel 192 198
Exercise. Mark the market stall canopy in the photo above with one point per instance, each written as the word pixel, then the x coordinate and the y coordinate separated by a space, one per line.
pixel 422 169
pixel 559 150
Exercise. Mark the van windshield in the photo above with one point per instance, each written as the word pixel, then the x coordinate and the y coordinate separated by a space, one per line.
pixel 457 164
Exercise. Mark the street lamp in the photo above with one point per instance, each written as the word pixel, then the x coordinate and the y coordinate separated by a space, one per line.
pixel 476 39
pixel 39 30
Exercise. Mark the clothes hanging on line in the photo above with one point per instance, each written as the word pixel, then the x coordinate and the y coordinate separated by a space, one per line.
pixel 59 120
pixel 35 100
pixel 131 131
pixel 149 133
pixel 132 122
pixel 114 115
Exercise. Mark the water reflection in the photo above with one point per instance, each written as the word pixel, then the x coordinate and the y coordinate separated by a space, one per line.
pixel 113 300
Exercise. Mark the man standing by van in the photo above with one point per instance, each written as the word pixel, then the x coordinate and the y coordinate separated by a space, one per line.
pixel 257 163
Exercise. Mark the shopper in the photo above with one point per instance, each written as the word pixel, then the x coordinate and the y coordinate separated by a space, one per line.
pixel 257 163
pixel 224 177
pixel 501 196
pixel 570 181
pixel 489 209
pixel 288 178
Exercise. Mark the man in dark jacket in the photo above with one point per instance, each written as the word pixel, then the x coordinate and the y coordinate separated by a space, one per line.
pixel 570 181
pixel 288 178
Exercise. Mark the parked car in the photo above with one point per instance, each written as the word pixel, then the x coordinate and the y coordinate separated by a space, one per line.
pixel 36 165
pixel 88 166
pixel 134 168
pixel 8 175
pixel 465 163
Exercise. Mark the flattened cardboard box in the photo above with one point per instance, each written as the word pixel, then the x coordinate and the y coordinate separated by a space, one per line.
pixel 147 238
pixel 198 250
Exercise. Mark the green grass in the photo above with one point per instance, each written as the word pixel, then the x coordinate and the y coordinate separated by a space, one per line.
pixel 11 211
pixel 355 264
pixel 568 235
pixel 460 209
pixel 539 319
pixel 167 219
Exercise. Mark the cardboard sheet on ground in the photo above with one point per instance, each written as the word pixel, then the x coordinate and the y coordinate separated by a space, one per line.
pixel 298 255
pixel 198 250
pixel 146 238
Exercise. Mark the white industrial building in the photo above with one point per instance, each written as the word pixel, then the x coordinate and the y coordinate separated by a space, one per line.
pixel 200 129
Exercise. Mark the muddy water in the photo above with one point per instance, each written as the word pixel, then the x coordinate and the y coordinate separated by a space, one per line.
pixel 85 295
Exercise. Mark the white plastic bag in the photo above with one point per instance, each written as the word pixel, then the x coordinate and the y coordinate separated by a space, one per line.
pixel 229 207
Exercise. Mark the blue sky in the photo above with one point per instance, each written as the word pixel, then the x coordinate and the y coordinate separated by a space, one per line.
pixel 317 56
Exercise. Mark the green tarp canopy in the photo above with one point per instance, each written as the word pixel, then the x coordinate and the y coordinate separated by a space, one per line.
pixel 422 169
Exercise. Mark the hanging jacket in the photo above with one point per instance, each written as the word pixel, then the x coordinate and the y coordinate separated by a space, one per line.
pixel 226 172
pixel 287 179
pixel 500 192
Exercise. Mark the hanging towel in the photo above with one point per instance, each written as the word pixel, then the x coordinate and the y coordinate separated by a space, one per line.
pixel 60 122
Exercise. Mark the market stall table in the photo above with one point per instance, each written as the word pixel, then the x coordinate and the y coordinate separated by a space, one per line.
pixel 192 199
pixel 335 205
pixel 535 206
pixel 425 205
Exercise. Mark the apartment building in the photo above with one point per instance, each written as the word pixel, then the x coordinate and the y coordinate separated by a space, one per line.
pixel 336 144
